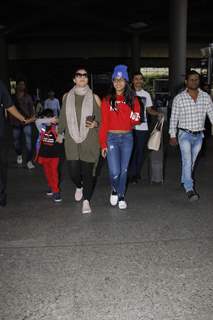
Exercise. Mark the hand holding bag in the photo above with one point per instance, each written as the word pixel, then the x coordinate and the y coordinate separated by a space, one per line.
pixel 155 136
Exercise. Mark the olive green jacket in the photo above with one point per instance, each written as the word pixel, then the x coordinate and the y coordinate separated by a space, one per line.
pixel 89 149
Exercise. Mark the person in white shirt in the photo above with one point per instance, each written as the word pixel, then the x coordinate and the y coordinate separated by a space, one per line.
pixel 189 110
pixel 52 103
pixel 141 131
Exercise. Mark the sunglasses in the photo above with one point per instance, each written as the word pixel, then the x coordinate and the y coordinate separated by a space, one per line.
pixel 81 75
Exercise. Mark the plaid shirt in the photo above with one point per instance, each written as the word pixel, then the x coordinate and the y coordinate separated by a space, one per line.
pixel 190 114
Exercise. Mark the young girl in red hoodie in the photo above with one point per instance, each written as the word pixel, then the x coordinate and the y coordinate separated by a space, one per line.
pixel 120 113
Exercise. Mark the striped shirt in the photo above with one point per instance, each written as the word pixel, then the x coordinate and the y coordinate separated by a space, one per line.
pixel 190 114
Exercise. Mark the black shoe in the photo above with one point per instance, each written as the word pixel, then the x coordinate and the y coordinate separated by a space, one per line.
pixel 57 197
pixel 49 193
pixel 192 195
pixel 133 180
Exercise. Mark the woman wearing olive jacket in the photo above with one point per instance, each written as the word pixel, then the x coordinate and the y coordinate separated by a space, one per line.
pixel 79 120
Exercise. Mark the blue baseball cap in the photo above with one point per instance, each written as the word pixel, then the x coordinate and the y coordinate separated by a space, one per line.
pixel 120 71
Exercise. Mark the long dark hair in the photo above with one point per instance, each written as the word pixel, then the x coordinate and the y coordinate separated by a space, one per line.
pixel 129 96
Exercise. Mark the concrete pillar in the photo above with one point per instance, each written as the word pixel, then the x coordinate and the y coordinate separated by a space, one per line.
pixel 136 51
pixel 4 75
pixel 178 42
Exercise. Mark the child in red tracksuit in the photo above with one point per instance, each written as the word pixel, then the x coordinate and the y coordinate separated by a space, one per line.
pixel 49 152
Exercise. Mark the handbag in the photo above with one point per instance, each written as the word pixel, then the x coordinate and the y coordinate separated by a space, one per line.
pixel 155 136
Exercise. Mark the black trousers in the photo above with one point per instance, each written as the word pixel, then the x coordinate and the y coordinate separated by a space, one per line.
pixel 3 167
pixel 138 155
pixel 81 173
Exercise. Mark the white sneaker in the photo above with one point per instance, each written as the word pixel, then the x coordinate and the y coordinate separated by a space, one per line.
pixel 113 199
pixel 19 159
pixel 30 165
pixel 86 207
pixel 78 194
pixel 122 204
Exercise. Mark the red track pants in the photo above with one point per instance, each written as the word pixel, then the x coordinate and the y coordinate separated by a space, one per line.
pixel 50 166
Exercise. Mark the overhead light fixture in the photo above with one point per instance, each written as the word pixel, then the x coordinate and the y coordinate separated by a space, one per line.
pixel 138 25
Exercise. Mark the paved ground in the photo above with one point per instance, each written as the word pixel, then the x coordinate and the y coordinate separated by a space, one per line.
pixel 153 261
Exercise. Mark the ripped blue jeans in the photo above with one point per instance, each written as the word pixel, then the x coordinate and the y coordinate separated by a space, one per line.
pixel 118 156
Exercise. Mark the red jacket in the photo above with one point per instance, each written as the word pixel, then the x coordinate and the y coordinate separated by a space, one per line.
pixel 123 118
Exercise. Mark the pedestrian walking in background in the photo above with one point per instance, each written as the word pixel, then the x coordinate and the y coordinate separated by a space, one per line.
pixel 141 131
pixel 52 103
pixel 6 106
pixel 24 104
pixel 187 123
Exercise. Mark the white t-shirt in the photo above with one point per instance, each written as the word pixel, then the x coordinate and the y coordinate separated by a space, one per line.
pixel 147 102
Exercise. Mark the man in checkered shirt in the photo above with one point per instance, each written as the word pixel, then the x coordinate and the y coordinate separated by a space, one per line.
pixel 189 110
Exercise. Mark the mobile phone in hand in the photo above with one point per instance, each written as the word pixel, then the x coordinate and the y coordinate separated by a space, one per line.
pixel 90 118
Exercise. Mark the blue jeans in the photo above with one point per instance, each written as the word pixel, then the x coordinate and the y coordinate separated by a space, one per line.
pixel 119 152
pixel 190 146
pixel 17 138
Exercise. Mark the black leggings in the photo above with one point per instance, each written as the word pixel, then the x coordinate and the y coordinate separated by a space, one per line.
pixel 81 173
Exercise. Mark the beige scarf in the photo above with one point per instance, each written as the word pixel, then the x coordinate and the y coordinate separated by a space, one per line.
pixel 79 134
